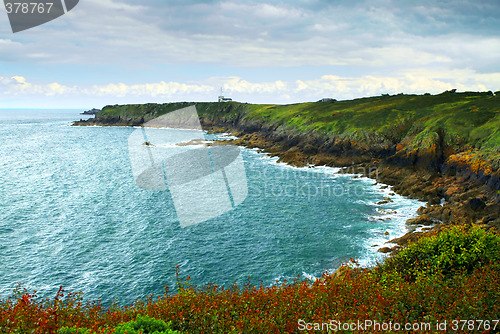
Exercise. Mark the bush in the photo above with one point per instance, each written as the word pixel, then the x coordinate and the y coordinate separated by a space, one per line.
pixel 141 325
pixel 454 250
pixel 145 325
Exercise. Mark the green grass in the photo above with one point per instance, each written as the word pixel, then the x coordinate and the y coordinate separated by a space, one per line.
pixel 468 120
pixel 458 114
pixel 141 325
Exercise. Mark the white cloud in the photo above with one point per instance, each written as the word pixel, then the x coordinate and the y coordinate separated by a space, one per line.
pixel 417 81
pixel 241 86
pixel 57 89
pixel 19 86
pixel 159 51
pixel 19 79
pixel 8 43
pixel 270 11
pixel 258 34
pixel 153 90
pixel 117 5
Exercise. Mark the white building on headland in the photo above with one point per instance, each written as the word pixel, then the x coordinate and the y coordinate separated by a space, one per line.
pixel 222 98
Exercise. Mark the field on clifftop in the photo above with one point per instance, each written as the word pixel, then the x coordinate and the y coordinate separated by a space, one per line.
pixel 467 118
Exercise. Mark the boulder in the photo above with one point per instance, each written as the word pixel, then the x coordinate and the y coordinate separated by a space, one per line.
pixel 476 204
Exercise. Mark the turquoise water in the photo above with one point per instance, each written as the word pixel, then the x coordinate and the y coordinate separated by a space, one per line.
pixel 72 215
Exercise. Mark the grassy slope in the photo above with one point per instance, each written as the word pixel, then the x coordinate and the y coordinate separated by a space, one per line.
pixel 469 122
pixel 467 118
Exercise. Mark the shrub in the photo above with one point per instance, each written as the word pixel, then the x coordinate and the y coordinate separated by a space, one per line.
pixel 455 249
pixel 145 325
pixel 141 325
pixel 453 275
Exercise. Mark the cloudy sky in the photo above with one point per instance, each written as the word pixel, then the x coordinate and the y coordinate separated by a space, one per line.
pixel 261 51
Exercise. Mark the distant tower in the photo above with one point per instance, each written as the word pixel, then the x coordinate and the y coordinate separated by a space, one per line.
pixel 222 98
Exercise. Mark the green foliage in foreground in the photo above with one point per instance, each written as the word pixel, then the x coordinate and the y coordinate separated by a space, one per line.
pixel 142 325
pixel 74 330
pixel 457 249
pixel 445 277
pixel 145 325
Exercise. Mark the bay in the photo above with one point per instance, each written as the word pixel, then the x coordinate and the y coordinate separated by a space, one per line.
pixel 71 214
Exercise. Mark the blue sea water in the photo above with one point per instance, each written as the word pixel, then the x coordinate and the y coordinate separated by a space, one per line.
pixel 72 215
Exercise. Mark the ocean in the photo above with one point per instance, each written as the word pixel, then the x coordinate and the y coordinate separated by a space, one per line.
pixel 72 215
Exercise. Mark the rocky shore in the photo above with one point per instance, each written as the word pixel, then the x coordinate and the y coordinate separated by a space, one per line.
pixel 457 187
pixel 453 196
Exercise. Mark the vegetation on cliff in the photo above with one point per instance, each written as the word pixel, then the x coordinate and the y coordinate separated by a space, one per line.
pixel 411 120
pixel 462 129
pixel 467 119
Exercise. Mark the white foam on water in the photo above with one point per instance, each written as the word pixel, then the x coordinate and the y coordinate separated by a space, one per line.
pixel 389 219
pixel 389 223
pixel 420 228
pixel 226 136
pixel 309 276
pixel 168 128
pixel 273 160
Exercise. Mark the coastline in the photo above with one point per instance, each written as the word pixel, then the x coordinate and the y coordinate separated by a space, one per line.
pixel 392 208
pixel 455 191
pixel 466 200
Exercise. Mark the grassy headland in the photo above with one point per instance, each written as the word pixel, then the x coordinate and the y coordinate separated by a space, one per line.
pixel 449 122
pixel 414 121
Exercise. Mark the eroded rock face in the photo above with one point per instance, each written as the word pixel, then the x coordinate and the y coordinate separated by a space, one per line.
pixel 385 250
pixel 465 198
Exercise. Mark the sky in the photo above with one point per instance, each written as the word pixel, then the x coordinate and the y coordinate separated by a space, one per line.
pixel 128 51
